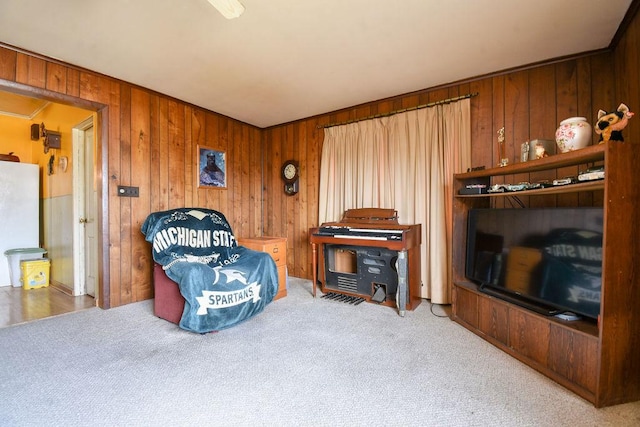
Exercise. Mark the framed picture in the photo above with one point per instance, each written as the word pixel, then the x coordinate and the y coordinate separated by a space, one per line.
pixel 212 168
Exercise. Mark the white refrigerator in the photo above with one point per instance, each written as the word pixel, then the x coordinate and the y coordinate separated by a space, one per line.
pixel 19 210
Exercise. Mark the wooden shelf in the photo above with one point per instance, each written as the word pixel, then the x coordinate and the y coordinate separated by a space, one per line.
pixel 561 189
pixel 591 154
pixel 590 358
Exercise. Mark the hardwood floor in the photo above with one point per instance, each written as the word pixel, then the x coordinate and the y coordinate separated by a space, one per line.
pixel 18 305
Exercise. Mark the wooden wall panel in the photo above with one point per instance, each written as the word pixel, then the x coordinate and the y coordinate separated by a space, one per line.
pixel 271 188
pixel 197 138
pixel 56 78
pixel 158 156
pixel 291 151
pixel 301 226
pixel 567 106
pixel 236 157
pixel 257 173
pixel 174 149
pixel 516 118
pixel 73 83
pixel 30 71
pixel 8 61
pixel 189 155
pixel 624 64
pixel 117 154
pixel 498 118
pixel 311 180
pixel 585 109
pixel 134 209
pixel 482 135
pixel 542 121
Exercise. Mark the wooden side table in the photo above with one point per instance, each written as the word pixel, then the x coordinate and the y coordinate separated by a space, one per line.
pixel 277 248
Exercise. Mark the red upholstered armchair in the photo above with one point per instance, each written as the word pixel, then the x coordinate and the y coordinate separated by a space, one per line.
pixel 168 303
pixel 204 281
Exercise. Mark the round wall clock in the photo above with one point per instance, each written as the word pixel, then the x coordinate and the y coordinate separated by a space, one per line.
pixel 290 171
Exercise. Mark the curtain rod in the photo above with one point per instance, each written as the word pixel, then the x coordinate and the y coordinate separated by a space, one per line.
pixel 391 113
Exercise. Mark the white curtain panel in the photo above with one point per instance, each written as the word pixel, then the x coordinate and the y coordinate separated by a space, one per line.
pixel 405 162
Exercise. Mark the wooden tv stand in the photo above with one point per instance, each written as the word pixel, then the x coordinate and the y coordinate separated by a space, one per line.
pixel 597 360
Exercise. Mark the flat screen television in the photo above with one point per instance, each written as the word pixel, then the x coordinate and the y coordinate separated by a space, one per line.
pixel 546 259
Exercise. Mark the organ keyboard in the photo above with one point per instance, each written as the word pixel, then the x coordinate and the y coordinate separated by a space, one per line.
pixel 345 232
pixel 368 254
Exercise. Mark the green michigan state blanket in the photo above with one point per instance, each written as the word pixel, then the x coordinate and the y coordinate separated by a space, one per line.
pixel 222 283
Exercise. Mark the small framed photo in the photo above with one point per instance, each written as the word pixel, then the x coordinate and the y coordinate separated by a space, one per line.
pixel 212 168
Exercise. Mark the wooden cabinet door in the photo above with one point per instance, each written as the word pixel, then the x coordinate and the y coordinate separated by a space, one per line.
pixel 493 319
pixel 529 335
pixel 465 306
pixel 574 356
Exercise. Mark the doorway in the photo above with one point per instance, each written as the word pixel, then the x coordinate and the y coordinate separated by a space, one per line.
pixel 25 306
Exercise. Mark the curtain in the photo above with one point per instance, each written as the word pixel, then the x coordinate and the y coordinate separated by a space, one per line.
pixel 405 162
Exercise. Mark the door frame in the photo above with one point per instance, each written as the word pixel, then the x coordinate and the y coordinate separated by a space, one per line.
pixel 103 293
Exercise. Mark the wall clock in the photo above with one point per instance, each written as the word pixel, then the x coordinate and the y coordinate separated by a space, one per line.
pixel 290 175
pixel 290 171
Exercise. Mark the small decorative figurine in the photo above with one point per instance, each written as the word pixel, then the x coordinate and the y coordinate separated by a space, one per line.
pixel 541 151
pixel 524 151
pixel 609 125
pixel 501 148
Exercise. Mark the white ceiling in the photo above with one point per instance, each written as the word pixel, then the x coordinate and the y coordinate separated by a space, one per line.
pixel 284 60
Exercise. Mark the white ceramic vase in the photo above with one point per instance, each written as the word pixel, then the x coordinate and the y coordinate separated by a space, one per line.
pixel 572 134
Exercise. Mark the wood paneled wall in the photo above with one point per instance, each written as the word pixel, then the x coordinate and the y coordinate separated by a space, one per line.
pixel 627 72
pixel 150 141
pixel 529 103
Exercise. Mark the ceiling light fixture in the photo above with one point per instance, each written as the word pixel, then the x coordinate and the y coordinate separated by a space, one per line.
pixel 228 8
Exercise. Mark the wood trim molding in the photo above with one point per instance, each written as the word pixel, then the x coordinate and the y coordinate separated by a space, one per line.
pixel 624 25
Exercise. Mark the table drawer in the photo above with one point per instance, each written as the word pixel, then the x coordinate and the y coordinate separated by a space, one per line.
pixel 274 246
pixel 278 252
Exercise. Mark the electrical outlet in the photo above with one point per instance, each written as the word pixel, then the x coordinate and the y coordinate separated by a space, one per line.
pixel 124 191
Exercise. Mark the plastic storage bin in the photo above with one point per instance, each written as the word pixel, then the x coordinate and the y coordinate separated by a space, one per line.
pixel 35 273
pixel 15 256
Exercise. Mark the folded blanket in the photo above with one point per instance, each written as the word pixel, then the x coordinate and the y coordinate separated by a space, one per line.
pixel 222 283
